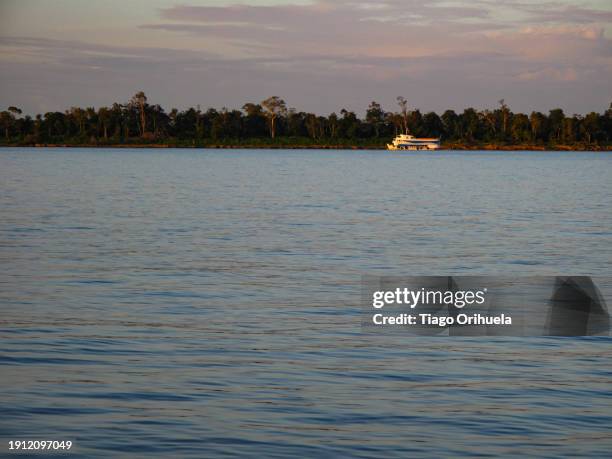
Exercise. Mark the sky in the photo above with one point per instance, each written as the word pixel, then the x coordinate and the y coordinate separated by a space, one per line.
pixel 318 55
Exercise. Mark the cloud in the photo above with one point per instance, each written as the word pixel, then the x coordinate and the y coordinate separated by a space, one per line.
pixel 60 50
pixel 548 74
pixel 570 14
pixel 389 28
pixel 328 54
pixel 578 45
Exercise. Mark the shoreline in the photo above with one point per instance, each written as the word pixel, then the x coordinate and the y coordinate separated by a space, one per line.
pixel 488 147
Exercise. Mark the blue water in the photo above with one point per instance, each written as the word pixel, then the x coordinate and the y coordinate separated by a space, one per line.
pixel 194 303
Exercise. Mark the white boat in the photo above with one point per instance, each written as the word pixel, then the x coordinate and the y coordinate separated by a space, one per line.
pixel 410 142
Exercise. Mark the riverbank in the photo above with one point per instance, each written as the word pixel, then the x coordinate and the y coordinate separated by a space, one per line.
pixel 282 146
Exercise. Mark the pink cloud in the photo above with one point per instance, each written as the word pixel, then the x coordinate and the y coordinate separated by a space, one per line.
pixel 338 53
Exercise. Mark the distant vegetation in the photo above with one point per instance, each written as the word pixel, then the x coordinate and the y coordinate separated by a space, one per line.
pixel 271 124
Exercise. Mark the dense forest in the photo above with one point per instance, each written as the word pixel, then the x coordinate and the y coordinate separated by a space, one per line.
pixel 270 123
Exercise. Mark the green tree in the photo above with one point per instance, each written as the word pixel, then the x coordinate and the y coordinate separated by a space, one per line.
pixel 607 123
pixel 590 126
pixel 450 121
pixel 520 129
pixel 375 117
pixel 312 124
pixel 275 107
pixel 403 104
pixel 569 129
pixel 537 123
pixel 470 124
pixel 6 121
pixel 349 124
pixel 489 120
pixel 255 120
pixel 555 119
pixel 505 116
pixel 332 121
pixel 104 117
pixel 397 121
pixel 432 125
pixel 79 116
pixel 8 118
pixel 139 100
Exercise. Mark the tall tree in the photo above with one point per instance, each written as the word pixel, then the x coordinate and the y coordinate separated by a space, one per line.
pixel 16 112
pixel 6 120
pixel 375 116
pixel 520 128
pixel 570 127
pixel 470 123
pixel 275 107
pixel 537 121
pixel 590 126
pixel 403 104
pixel 349 124
pixel 332 121
pixel 450 121
pixel 255 120
pixel 432 124
pixel 555 118
pixel 79 116
pixel 415 122
pixel 397 121
pixel 104 117
pixel 505 115
pixel 490 121
pixel 312 124
pixel 139 100
pixel 607 123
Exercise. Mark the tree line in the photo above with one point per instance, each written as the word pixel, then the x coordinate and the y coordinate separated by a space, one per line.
pixel 271 122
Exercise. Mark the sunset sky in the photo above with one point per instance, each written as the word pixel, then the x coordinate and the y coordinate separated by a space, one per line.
pixel 318 55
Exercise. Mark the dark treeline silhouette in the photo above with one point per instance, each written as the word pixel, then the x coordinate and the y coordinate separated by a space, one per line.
pixel 272 123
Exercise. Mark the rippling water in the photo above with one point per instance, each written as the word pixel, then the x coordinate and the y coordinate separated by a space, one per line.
pixel 188 303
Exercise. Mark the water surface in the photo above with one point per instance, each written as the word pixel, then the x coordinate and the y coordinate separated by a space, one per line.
pixel 197 303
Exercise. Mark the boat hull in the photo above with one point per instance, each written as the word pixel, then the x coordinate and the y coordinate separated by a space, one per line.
pixel 392 147
pixel 411 143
